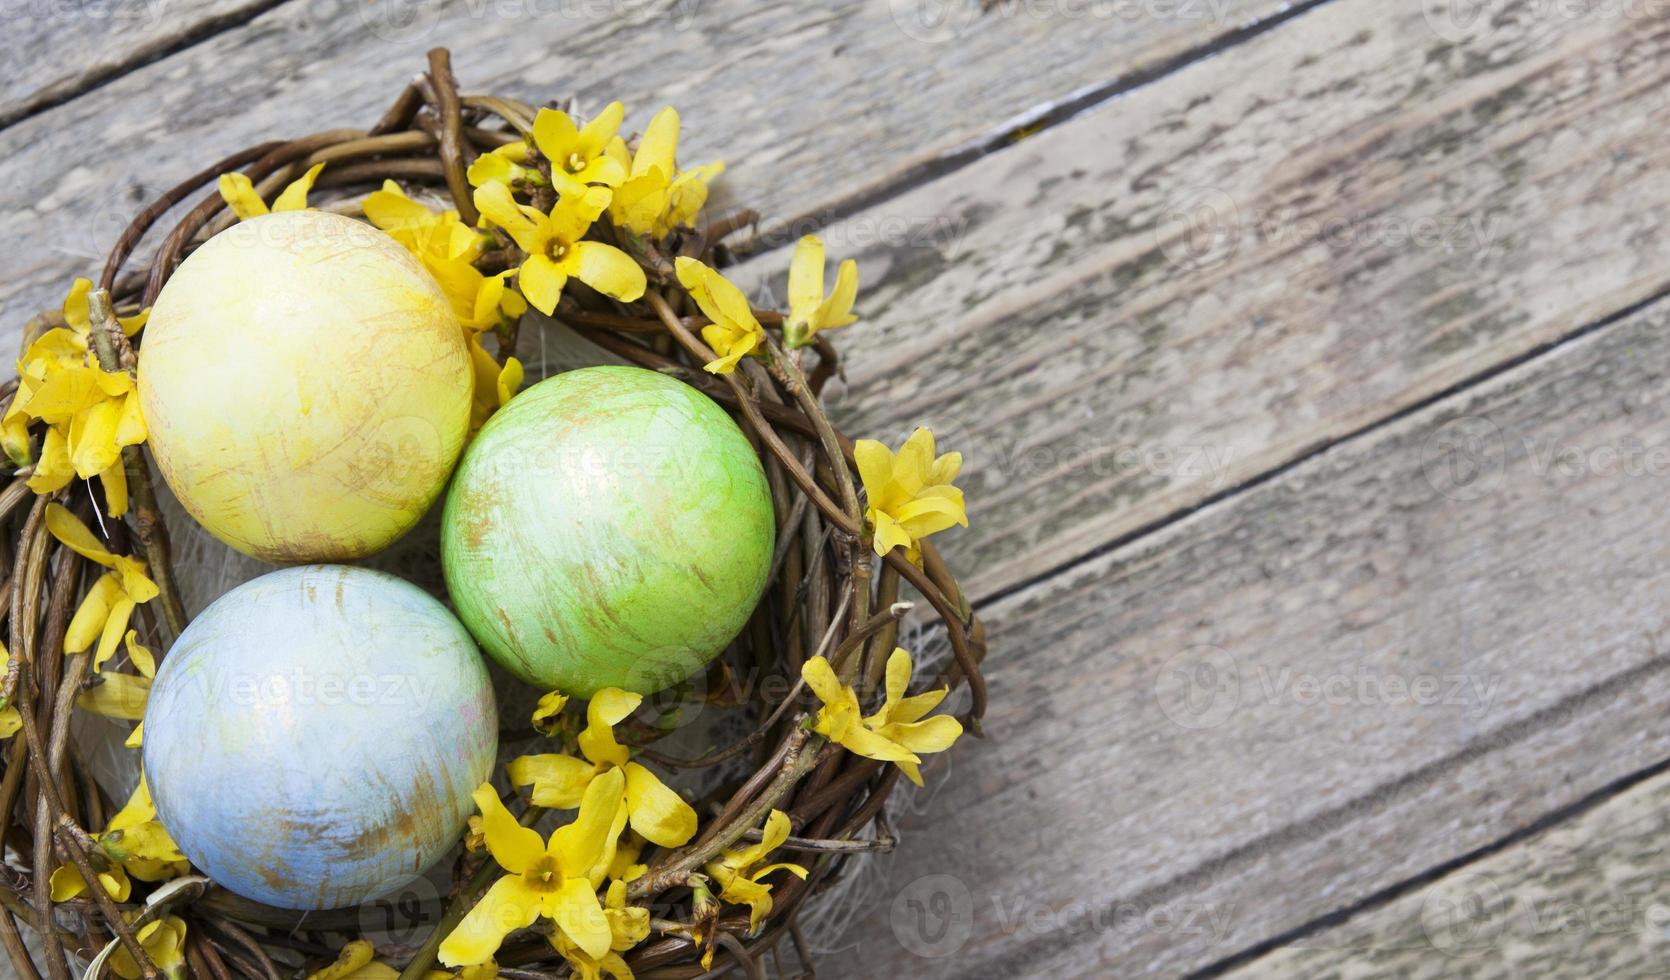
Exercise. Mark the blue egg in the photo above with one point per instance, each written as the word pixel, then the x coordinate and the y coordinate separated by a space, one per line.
pixel 312 739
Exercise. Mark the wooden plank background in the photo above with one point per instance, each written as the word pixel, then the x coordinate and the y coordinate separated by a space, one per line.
pixel 1309 363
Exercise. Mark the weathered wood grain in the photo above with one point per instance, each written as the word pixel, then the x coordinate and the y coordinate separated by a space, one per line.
pixel 1589 897
pixel 55 49
pixel 1205 279
pixel 810 104
pixel 1390 655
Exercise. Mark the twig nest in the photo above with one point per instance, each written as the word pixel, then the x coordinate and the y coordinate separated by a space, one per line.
pixel 610 527
pixel 314 736
pixel 306 386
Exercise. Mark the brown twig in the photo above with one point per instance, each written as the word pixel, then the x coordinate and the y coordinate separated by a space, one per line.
pixel 452 133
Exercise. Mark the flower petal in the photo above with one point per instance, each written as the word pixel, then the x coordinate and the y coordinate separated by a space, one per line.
pixel 579 846
pixel 836 311
pixel 141 656
pixel 656 812
pixel 559 781
pixel 509 905
pixel 239 194
pixel 820 677
pixel 933 735
pixel 294 197
pixel 806 278
pixel 514 846
pixel 556 136
pixel 510 380
pixel 608 707
pixel 53 471
pixel 607 269
pixel 658 147
pixel 74 535
pixel 114 627
pixel 493 200
pixel 120 696
pixel 595 135
pixel 115 483
pixel 88 622
pixel 578 914
pixel 541 281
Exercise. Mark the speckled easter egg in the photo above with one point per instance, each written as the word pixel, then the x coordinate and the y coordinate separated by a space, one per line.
pixel 306 386
pixel 312 739
pixel 610 527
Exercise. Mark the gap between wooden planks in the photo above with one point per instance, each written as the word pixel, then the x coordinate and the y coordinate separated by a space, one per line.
pixel 1184 290
pixel 1532 291
pixel 811 105
pixel 1274 345
pixel 54 51
pixel 1586 897
pixel 1295 699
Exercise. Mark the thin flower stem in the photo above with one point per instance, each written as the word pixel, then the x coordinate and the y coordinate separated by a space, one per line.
pixel 877 846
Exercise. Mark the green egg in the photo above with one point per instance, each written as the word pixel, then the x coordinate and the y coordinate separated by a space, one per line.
pixel 610 527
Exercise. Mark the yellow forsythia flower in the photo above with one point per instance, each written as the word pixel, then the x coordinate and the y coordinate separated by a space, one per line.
pixel 897 732
pixel 91 413
pixel 556 880
pixel 809 311
pixel 910 494
pixel 164 941
pixel 239 194
pixel 656 197
pixel 135 843
pixel 577 152
pixel 738 872
pixel 547 711
pixel 628 926
pixel 123 696
pixel 356 961
pixel 555 252
pixel 561 781
pixel 109 605
pixel 734 332
pixel 10 720
pixel 504 165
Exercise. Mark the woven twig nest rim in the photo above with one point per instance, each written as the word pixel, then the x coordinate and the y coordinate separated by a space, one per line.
pixel 828 594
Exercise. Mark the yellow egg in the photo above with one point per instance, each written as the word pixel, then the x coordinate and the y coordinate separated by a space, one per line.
pixel 306 387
